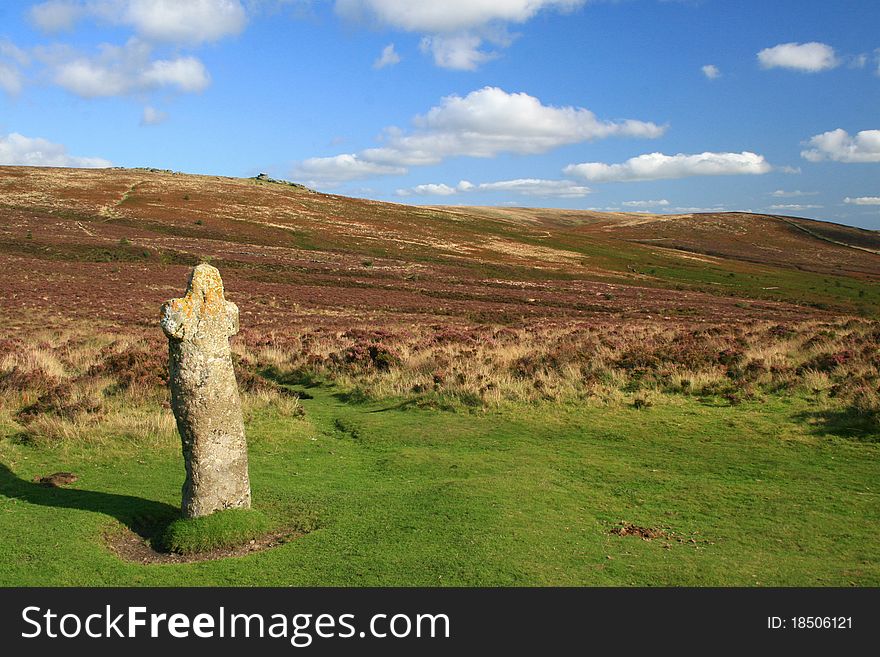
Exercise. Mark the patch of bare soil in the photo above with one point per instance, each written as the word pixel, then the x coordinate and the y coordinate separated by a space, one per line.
pixel 650 533
pixel 646 533
pixel 130 547
pixel 56 480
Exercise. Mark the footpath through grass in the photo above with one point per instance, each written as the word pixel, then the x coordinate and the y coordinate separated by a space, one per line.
pixel 529 495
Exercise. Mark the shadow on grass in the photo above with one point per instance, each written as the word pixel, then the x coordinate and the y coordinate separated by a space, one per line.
pixel 307 380
pixel 146 518
pixel 297 381
pixel 842 423
pixel 290 377
pixel 400 406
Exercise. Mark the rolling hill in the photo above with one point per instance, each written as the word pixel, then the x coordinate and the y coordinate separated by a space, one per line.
pixel 74 241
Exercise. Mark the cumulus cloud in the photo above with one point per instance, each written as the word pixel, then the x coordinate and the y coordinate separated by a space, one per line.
pixel 428 189
pixel 711 71
pixel 185 73
pixel 12 52
pixel 191 22
pixel 459 51
pixel 781 193
pixel 484 123
pixel 152 116
pixel 389 57
pixel 325 171
pixel 537 187
pixel 194 21
pixel 10 79
pixel 662 203
pixel 36 151
pixel 807 57
pixel 56 15
pixel 119 70
pixel 449 15
pixel 839 146
pixel 862 200
pixel 657 166
pixel 11 58
pixel 794 206
pixel 520 186
pixel 454 30
pixel 693 209
pixel 131 68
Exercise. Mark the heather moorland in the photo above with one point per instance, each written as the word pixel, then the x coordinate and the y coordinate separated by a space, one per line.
pixel 441 395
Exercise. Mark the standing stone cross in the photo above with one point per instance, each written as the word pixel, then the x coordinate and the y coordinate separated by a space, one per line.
pixel 204 395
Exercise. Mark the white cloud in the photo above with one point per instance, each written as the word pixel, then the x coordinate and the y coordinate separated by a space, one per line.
pixel 646 204
pixel 428 189
pixel 781 193
pixel 459 52
pixel 36 151
pixel 389 57
pixel 839 146
pixel 10 75
pixel 537 187
pixel 807 57
pixel 657 166
pixel 10 79
pixel 862 200
pixel 711 71
pixel 454 29
pixel 56 15
pixel 325 171
pixel 794 206
pixel 717 208
pixel 174 21
pixel 152 116
pixel 484 123
pixel 119 70
pixel 521 123
pixel 13 52
pixel 449 15
pixel 185 73
pixel 193 21
pixel 520 186
pixel 84 78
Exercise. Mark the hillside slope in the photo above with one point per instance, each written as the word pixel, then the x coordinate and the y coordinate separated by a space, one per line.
pixel 111 244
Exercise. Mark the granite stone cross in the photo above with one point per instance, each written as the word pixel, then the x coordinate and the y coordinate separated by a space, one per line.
pixel 204 395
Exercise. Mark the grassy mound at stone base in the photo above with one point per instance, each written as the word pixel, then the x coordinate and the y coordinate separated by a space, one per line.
pixel 220 530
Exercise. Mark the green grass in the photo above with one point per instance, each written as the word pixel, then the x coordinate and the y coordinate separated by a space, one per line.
pixel 771 494
pixel 223 529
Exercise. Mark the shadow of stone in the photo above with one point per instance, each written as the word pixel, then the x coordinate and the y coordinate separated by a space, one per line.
pixel 291 378
pixel 846 423
pixel 146 518
pixel 402 406
pixel 352 397
pixel 305 380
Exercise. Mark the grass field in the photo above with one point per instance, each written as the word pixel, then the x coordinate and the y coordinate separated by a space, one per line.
pixel 757 494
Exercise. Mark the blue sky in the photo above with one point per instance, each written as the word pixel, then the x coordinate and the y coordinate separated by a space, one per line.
pixel 632 105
